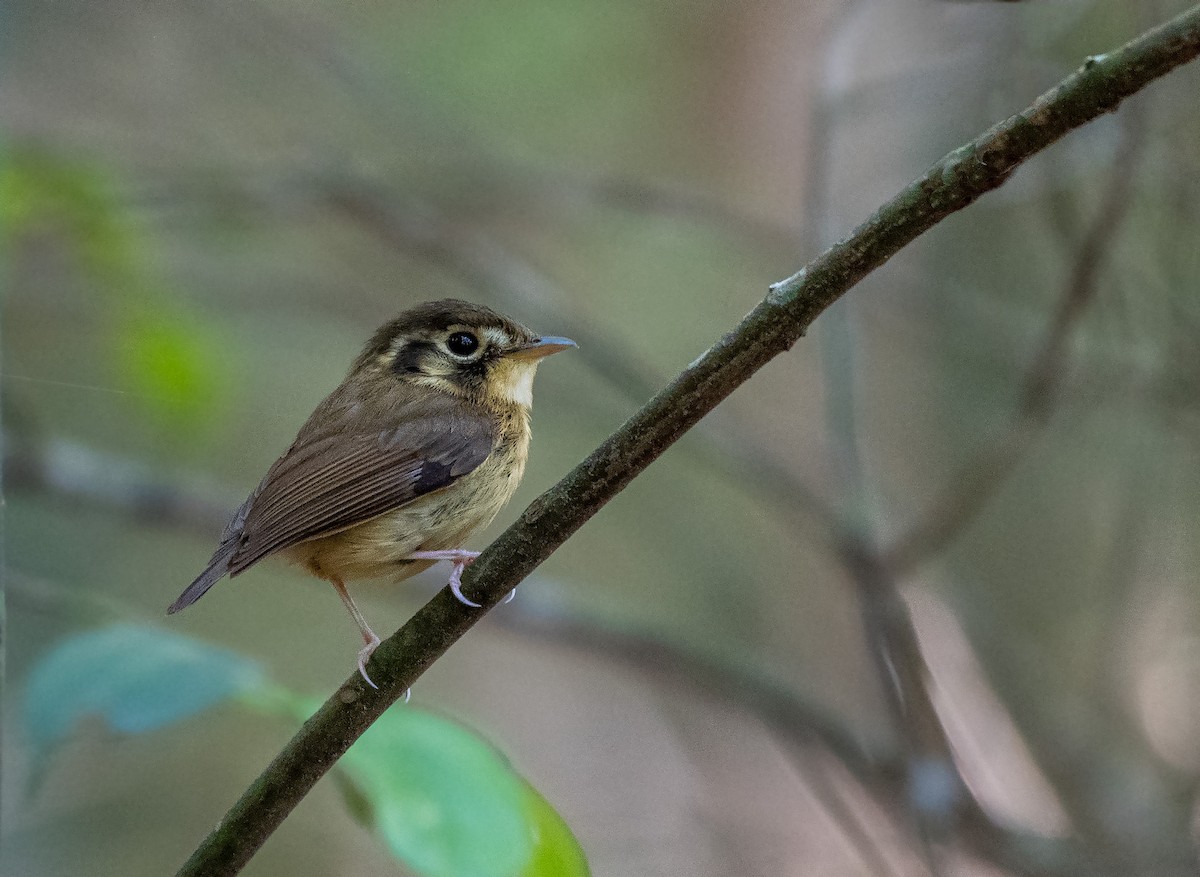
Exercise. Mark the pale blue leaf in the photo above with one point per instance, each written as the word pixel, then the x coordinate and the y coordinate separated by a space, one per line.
pixel 135 678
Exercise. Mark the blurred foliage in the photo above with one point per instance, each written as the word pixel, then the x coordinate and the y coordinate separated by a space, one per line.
pixel 599 54
pixel 137 679
pixel 172 364
pixel 187 273
pixel 167 358
pixel 440 798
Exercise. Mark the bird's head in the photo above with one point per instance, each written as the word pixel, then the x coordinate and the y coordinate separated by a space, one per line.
pixel 461 348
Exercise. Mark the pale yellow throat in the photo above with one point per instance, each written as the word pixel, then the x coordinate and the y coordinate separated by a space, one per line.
pixel 513 381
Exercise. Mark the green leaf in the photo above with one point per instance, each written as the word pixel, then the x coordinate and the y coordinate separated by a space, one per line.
pixel 41 190
pixel 135 678
pixel 168 357
pixel 443 800
pixel 173 364
pixel 556 852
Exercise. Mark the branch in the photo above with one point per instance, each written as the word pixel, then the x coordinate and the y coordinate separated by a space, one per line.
pixel 82 476
pixel 967 493
pixel 893 646
pixel 774 325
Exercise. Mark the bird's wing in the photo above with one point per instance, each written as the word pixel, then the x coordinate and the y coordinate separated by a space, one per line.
pixel 324 486
pixel 327 484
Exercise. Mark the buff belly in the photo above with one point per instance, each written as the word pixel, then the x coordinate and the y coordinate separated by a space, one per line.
pixel 445 519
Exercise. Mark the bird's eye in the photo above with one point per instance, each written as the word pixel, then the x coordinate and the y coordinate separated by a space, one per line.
pixel 462 343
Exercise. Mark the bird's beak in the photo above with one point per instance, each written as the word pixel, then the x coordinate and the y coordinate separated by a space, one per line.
pixel 540 347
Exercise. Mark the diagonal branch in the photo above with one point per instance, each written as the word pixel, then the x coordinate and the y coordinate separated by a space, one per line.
pixel 772 327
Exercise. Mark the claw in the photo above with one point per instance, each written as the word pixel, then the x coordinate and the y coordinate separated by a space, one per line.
pixel 407 695
pixel 510 596
pixel 461 558
pixel 364 655
pixel 456 587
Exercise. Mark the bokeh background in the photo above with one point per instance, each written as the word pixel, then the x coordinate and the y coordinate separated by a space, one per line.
pixel 208 207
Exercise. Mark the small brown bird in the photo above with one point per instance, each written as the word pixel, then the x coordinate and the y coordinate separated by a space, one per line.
pixel 422 444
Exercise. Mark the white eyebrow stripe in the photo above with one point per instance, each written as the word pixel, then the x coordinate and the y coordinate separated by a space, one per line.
pixel 497 336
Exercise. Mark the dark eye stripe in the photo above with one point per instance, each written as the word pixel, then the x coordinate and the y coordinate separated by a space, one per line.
pixel 408 358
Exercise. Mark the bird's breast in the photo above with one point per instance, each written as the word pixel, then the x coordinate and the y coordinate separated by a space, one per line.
pixel 451 515
pixel 437 521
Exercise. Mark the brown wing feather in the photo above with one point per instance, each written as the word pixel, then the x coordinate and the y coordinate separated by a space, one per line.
pixel 328 485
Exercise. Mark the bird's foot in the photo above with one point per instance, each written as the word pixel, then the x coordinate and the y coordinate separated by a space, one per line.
pixel 461 558
pixel 364 655
pixel 455 555
pixel 456 585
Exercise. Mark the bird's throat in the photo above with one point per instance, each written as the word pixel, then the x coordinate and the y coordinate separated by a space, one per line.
pixel 513 382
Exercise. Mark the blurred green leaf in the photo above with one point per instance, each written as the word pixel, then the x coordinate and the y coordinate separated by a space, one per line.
pixel 174 366
pixel 135 678
pixel 444 801
pixel 167 357
pixel 15 197
pixel 39 190
pixel 556 852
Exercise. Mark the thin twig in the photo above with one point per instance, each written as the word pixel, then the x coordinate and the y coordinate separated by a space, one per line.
pixel 967 493
pixel 772 327
pixel 888 631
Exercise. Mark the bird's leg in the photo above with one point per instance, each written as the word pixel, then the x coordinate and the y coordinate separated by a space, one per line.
pixel 461 558
pixel 368 635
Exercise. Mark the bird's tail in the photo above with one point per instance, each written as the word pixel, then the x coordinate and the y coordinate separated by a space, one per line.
pixel 213 573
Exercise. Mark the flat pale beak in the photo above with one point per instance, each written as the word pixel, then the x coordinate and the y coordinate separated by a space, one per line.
pixel 540 347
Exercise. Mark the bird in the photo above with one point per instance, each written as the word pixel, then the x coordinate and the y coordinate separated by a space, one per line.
pixel 422 444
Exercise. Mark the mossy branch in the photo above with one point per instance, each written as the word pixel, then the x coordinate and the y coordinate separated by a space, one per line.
pixel 774 325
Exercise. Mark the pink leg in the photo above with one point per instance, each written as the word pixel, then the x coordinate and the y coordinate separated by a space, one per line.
pixel 368 635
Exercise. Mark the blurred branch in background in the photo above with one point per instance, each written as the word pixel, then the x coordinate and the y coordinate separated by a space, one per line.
pixel 953 183
pixel 496 224
pixel 900 666
pixel 967 493
pixel 71 473
pixel 76 474
pixel 427 231
pixel 935 794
